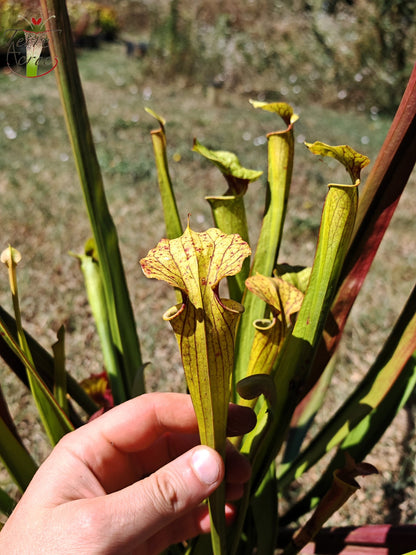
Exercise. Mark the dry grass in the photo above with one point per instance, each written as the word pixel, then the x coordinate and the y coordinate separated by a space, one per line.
pixel 42 215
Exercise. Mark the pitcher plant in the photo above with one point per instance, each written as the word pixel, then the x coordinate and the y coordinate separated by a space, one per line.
pixel 268 344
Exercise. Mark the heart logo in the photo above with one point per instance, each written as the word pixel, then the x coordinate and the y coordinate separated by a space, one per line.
pixel 36 21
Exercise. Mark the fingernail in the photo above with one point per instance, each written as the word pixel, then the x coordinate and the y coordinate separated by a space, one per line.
pixel 205 466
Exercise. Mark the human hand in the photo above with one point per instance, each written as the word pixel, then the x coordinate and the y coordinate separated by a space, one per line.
pixel 131 481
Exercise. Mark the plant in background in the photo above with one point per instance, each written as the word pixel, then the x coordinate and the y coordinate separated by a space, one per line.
pixel 92 19
pixel 361 52
pixel 271 345
pixel 171 39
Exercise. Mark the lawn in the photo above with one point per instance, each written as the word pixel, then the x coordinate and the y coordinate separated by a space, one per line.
pixel 42 215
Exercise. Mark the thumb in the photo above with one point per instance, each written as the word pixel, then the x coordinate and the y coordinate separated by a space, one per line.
pixel 150 505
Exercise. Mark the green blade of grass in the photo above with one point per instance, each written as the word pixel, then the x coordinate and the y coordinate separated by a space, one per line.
pixel 123 328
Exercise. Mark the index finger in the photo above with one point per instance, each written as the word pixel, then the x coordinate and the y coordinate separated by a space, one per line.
pixel 139 422
pixel 141 435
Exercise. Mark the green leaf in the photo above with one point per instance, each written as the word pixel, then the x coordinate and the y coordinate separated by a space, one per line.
pixel 228 210
pixel 304 416
pixel 280 165
pixel 369 394
pixel 170 209
pixel 255 385
pixel 353 161
pixel 285 111
pixel 54 420
pixel 13 453
pixel 15 457
pixel 283 298
pixel 60 389
pixel 298 276
pixel 44 366
pixel 229 165
pixel 361 439
pixel 264 510
pixel 297 354
pixel 195 263
pixel 378 201
pixel 7 504
pixel 342 488
pixel 229 216
pixel 96 297
pixel 284 301
pixel 121 317
pixel 161 120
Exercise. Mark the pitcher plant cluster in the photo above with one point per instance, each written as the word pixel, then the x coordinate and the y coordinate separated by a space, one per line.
pixel 287 307
pixel 266 338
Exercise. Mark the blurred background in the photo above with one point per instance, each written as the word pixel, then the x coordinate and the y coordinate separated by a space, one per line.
pixel 355 51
